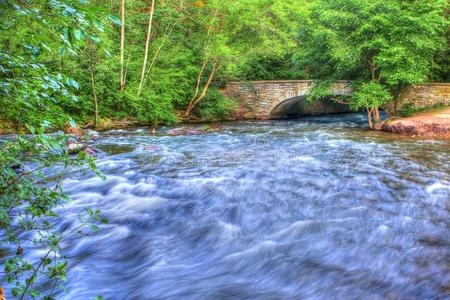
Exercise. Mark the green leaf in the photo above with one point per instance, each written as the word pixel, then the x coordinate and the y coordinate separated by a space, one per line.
pixel 115 20
pixel 72 83
pixel 79 34
pixel 16 291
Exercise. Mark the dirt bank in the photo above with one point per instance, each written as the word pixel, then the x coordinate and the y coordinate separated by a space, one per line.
pixel 428 124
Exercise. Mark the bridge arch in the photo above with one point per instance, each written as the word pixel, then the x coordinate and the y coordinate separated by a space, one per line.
pixel 263 99
pixel 299 105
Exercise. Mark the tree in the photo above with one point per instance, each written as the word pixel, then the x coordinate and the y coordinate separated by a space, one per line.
pixel 232 33
pixel 93 85
pixel 122 46
pixel 392 43
pixel 33 167
pixel 369 96
pixel 147 45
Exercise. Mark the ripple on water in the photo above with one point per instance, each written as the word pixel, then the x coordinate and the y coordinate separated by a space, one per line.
pixel 316 209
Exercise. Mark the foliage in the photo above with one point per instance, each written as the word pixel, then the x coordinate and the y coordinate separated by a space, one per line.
pixel 32 92
pixel 216 106
pixel 322 89
pixel 394 43
pixel 153 109
pixel 32 170
pixel 267 67
pixel 369 95
pixel 35 37
pixel 410 109
pixel 249 40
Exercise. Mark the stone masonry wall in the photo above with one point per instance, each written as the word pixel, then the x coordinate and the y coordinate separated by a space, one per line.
pixel 257 99
pixel 423 95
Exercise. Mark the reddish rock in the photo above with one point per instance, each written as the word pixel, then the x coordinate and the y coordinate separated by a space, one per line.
pixel 74 147
pixel 73 130
pixel 90 151
pixel 430 124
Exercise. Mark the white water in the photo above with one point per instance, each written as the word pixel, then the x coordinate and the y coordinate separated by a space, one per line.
pixel 308 209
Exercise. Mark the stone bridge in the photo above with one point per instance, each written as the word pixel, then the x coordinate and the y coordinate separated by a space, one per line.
pixel 284 98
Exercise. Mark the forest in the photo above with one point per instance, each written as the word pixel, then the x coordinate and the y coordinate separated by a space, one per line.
pixel 104 64
pixel 164 61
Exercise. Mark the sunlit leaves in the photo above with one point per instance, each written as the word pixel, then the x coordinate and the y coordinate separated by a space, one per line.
pixel 369 95
pixel 114 19
pixel 72 83
pixel 391 42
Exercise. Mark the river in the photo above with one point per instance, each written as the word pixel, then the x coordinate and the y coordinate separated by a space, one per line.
pixel 313 208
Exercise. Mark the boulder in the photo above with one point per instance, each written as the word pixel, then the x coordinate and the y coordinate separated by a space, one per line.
pixel 73 131
pixel 406 127
pixel 75 147
pixel 214 127
pixel 430 124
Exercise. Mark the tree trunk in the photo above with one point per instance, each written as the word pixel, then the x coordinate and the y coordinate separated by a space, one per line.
pixel 369 116
pixel 147 45
pixel 377 115
pixel 199 79
pixel 94 93
pixel 397 94
pixel 195 101
pixel 167 33
pixel 122 46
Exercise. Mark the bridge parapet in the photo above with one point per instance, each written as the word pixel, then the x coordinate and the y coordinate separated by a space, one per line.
pixel 258 99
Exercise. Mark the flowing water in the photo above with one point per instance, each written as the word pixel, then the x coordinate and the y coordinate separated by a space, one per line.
pixel 314 208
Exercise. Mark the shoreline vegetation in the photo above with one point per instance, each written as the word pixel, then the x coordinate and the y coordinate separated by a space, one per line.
pixel 426 122
pixel 90 62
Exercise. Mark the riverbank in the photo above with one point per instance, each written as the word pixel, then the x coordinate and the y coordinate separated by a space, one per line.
pixel 428 124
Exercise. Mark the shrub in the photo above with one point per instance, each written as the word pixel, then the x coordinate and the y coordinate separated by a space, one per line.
pixel 215 106
pixel 32 170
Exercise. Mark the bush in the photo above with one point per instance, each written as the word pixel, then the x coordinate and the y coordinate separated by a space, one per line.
pixel 32 169
pixel 411 109
pixel 215 106
pixel 154 109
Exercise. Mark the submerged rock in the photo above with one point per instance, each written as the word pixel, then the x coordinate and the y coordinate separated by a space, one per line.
pixel 75 147
pixel 91 135
pixel 214 127
pixel 184 131
pixel 108 124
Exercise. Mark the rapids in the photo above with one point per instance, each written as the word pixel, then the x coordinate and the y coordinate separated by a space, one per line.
pixel 313 208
